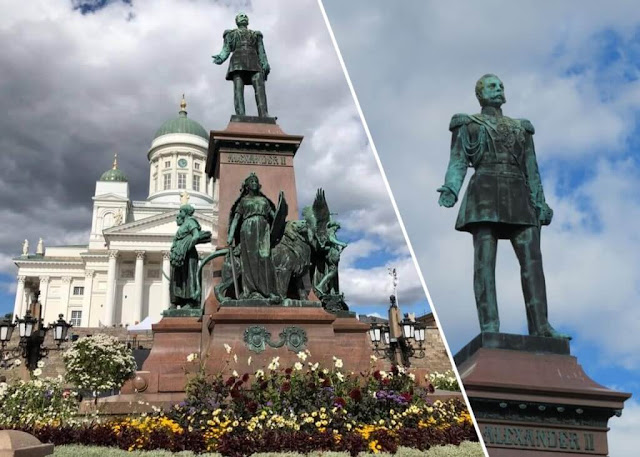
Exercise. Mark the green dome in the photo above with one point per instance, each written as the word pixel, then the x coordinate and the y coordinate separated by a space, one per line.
pixel 114 174
pixel 182 124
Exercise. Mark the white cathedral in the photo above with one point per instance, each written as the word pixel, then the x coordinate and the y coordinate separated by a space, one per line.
pixel 117 277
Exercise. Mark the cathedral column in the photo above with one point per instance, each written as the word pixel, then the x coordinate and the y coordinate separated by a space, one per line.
pixel 86 299
pixel 65 291
pixel 138 288
pixel 17 307
pixel 109 303
pixel 44 292
pixel 166 272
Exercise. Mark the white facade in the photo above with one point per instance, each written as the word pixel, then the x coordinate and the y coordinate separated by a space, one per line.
pixel 117 277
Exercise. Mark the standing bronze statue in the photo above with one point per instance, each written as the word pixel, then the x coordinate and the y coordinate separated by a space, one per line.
pixel 504 200
pixel 248 64
pixel 184 281
pixel 252 216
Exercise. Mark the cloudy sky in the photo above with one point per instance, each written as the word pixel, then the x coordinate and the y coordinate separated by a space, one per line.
pixel 82 80
pixel 573 69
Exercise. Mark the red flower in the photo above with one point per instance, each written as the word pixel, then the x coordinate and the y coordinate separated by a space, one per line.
pixel 264 385
pixel 394 370
pixel 245 377
pixel 235 393
pixel 326 383
pixel 288 370
pixel 377 375
pixel 252 407
pixel 286 387
pixel 339 401
pixel 406 396
pixel 386 381
pixel 231 381
pixel 356 394
pixel 431 389
pixel 321 375
pixel 237 384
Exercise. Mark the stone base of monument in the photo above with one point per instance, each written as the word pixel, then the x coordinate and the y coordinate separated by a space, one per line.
pixel 17 443
pixel 263 333
pixel 164 370
pixel 531 398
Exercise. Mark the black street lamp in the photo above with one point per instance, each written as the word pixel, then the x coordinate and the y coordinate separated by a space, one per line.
pixel 6 330
pixel 32 334
pixel 412 332
pixel 60 329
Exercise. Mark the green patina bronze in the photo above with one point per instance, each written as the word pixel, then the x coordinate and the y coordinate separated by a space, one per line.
pixel 257 338
pixel 271 261
pixel 248 64
pixel 504 200
pixel 185 280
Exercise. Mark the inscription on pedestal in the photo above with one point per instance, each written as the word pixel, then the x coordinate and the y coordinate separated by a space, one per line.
pixel 566 440
pixel 255 159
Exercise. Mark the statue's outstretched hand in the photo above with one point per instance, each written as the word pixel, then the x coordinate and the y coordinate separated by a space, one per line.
pixel 447 198
pixel 217 60
pixel 546 214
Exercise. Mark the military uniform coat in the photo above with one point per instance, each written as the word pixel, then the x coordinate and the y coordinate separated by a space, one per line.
pixel 506 187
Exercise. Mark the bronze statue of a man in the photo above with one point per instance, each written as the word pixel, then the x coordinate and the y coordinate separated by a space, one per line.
pixel 504 200
pixel 248 64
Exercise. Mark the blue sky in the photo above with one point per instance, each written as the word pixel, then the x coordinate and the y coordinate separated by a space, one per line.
pixel 573 69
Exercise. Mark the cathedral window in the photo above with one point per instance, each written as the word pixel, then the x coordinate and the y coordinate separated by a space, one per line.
pixel 76 318
pixel 196 183
pixel 167 181
pixel 182 180
pixel 78 290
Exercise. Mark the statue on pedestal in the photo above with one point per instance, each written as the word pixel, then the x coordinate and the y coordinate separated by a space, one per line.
pixel 252 218
pixel 504 200
pixel 184 281
pixel 248 64
pixel 327 249
pixel 272 260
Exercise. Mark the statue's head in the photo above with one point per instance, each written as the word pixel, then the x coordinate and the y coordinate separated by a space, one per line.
pixel 490 91
pixel 242 19
pixel 251 183
pixel 184 212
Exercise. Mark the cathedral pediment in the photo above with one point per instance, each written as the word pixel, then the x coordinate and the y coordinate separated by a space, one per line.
pixel 157 225
pixel 111 197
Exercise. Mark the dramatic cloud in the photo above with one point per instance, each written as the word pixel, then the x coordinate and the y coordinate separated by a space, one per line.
pixel 82 80
pixel 572 69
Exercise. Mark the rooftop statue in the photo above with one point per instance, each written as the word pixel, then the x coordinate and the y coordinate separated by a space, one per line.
pixel 184 280
pixel 504 200
pixel 248 64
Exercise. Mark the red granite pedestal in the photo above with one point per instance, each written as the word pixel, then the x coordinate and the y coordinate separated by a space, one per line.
pixel 531 398
pixel 326 335
pixel 164 371
pixel 249 144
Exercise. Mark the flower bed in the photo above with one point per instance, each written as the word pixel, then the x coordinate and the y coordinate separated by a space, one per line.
pixel 303 408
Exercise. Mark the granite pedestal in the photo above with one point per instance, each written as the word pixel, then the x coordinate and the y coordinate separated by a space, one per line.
pixel 531 398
